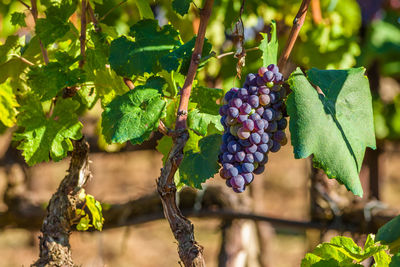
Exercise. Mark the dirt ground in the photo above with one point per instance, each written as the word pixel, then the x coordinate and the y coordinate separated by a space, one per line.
pixel 125 176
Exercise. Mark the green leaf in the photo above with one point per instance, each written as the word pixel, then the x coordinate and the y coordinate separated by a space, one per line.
pixel 8 105
pixel 390 234
pixel 335 128
pixel 8 48
pixel 133 116
pixel 206 99
pixel 18 18
pixel 382 259
pixel 181 6
pixel 197 167
pixel 199 122
pixel 43 137
pixel 108 85
pixel 144 9
pixel 141 56
pixel 84 223
pixel 395 262
pixel 269 48
pixel 95 209
pixel 179 58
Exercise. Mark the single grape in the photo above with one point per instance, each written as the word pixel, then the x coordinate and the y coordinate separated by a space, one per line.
pixel 263 148
pixel 255 117
pixel 270 84
pixel 251 149
pixel 253 90
pixel 251 79
pixel 275 147
pixel 222 120
pixel 243 94
pixel 265 160
pixel 230 138
pixel 269 114
pixel 229 95
pixel 264 138
pixel 233 112
pixel 279 136
pixel 260 81
pixel 283 142
pixel 258 156
pixel 239 156
pixel 274 68
pixel 227 157
pixel 248 177
pixel 254 138
pixel 229 120
pixel 260 169
pixel 228 183
pixel 247 167
pixel 237 181
pixel 270 144
pixel 260 111
pixel 249 158
pixel 253 101
pixel 233 147
pixel 278 115
pixel 263 90
pixel 245 108
pixel 278 105
pixel 268 76
pixel 223 147
pixel 274 96
pixel 248 125
pixel 278 78
pixel 233 171
pixel 260 132
pixel 225 137
pixel 223 110
pixel 243 134
pixel 234 89
pixel 227 166
pixel 235 102
pixel 242 118
pixel 224 174
pixel 272 127
pixel 259 125
pixel 244 142
pixel 266 123
pixel 261 71
pixel 238 190
pixel 264 100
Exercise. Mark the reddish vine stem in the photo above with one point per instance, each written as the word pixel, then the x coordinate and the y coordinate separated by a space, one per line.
pixel 128 82
pixel 316 11
pixel 190 252
pixel 297 24
pixel 34 12
pixel 82 38
pixel 93 18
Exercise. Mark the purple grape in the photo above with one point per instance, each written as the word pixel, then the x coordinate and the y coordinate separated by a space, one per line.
pixel 264 90
pixel 238 190
pixel 237 181
pixel 282 123
pixel 275 147
pixel 225 137
pixel 278 115
pixel 245 108
pixel 260 81
pixel 244 142
pixel 251 149
pixel 266 123
pixel 264 100
pixel 254 138
pixel 263 148
pixel 278 78
pixel 248 125
pixel 259 125
pixel 243 133
pixel 229 95
pixel 243 94
pixel 242 118
pixel 248 177
pixel 264 138
pixel 223 148
pixel 247 167
pixel 233 171
pixel 279 136
pixel 255 117
pixel 265 160
pixel 223 110
pixel 224 174
pixel 249 158
pixel 251 79
pixel 283 142
pixel 261 71
pixel 269 114
pixel 260 132
pixel 230 138
pixel 233 147
pixel 239 156
pixel 229 120
pixel 253 90
pixel 227 157
pixel 272 127
pixel 274 68
pixel 260 111
pixel 235 102
pixel 253 101
pixel 227 166
pixel 222 120
pixel 274 97
pixel 268 76
pixel 234 89
pixel 228 183
pixel 260 169
pixel 258 156
pixel 233 112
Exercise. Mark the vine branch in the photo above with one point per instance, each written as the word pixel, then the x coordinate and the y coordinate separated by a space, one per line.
pixel 82 38
pixel 294 32
pixel 190 252
pixel 316 11
pixel 34 12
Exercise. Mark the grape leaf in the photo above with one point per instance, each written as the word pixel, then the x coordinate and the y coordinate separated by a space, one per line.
pixel 269 48
pixel 197 167
pixel 9 48
pixel 132 116
pixel 336 127
pixel 382 259
pixel 137 57
pixel 395 262
pixel 390 234
pixel 199 122
pixel 8 103
pixel 144 9
pixel 181 6
pixel 206 99
pixel 108 85
pixel 95 209
pixel 180 57
pixel 43 137
pixel 18 18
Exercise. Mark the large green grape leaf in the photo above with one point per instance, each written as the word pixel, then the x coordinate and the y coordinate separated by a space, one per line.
pixel 144 9
pixel 180 57
pixel 199 122
pixel 206 99
pixel 43 137
pixel 269 48
pixel 335 127
pixel 390 234
pixel 132 116
pixel 8 105
pixel 395 262
pixel 197 167
pixel 142 55
pixel 181 6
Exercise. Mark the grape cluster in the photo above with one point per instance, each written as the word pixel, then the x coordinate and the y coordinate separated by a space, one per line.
pixel 254 121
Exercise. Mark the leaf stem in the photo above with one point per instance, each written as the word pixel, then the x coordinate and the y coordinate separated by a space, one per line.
pixel 23 59
pixel 129 83
pixel 232 53
pixel 82 38
pixel 316 11
pixel 25 4
pixel 34 12
pixel 112 9
pixel 297 24
pixel 93 18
